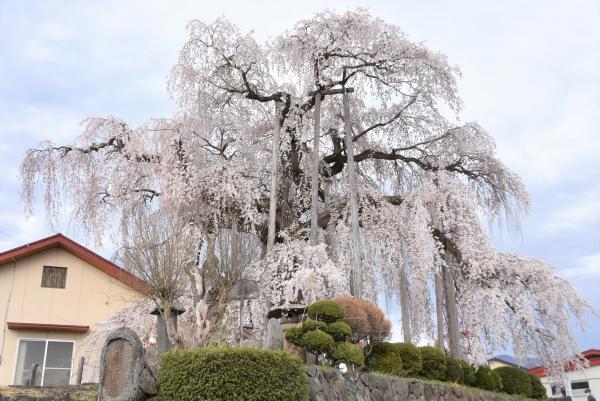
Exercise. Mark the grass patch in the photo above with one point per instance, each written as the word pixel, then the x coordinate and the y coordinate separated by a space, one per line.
pixel 76 393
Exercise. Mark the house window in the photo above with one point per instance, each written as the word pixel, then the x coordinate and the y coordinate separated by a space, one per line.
pixel 54 277
pixel 579 387
pixel 53 360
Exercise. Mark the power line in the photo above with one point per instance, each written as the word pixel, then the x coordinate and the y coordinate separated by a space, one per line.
pixel 10 236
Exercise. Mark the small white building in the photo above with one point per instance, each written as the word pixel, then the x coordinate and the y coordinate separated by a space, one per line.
pixel 577 380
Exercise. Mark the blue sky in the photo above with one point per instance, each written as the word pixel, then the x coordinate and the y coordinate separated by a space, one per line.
pixel 531 77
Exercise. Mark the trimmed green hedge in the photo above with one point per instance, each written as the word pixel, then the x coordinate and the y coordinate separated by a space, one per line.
pixel 348 353
pixel 340 331
pixel 514 380
pixel 385 358
pixel 294 335
pixel 232 374
pixel 412 362
pixel 434 363
pixel 326 311
pixel 537 388
pixel 454 371
pixel 487 379
pixel 312 325
pixel 317 342
pixel 468 373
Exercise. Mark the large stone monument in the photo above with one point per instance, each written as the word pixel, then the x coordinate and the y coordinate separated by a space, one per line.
pixel 128 372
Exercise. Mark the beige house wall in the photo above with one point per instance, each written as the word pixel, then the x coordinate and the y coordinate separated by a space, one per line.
pixel 493 364
pixel 90 296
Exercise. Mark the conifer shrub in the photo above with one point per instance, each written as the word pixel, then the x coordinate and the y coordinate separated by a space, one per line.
pixel 514 380
pixel 317 342
pixel 385 358
pixel 434 363
pixel 311 325
pixel 487 379
pixel 537 388
pixel 454 371
pixel 294 335
pixel 215 374
pixel 468 373
pixel 412 362
pixel 340 331
pixel 326 311
pixel 348 353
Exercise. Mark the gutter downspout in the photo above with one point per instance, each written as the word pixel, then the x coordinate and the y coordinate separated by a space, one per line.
pixel 4 325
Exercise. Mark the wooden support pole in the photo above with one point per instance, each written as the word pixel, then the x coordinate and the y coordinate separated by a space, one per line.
pixel 80 370
pixel 316 158
pixel 451 309
pixel 274 178
pixel 439 310
pixel 356 276
pixel 404 304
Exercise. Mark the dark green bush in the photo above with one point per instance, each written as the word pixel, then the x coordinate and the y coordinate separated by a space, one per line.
pixel 487 379
pixel 497 380
pixel 232 374
pixel 294 335
pixel 454 371
pixel 514 380
pixel 537 388
pixel 317 342
pixel 311 325
pixel 412 362
pixel 327 311
pixel 385 358
pixel 434 363
pixel 348 353
pixel 468 373
pixel 340 331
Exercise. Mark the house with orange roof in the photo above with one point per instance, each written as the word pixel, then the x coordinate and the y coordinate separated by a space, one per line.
pixel 52 293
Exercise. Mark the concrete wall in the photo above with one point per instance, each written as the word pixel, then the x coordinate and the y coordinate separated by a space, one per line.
pixel 90 296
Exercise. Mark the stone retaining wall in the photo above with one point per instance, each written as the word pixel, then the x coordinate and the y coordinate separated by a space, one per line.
pixel 331 385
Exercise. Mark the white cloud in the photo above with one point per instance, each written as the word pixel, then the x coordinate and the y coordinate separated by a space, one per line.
pixel 586 267
pixel 577 211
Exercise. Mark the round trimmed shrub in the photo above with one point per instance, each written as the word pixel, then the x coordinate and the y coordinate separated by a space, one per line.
pixel 434 363
pixel 468 373
pixel 311 325
pixel 327 311
pixel 537 388
pixel 514 380
pixel 412 362
pixel 487 379
pixel 294 335
pixel 340 331
pixel 317 342
pixel 215 374
pixel 385 358
pixel 366 320
pixel 348 353
pixel 454 371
